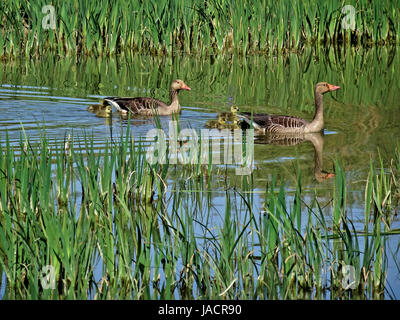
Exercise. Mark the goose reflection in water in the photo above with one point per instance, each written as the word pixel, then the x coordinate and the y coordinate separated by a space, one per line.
pixel 316 139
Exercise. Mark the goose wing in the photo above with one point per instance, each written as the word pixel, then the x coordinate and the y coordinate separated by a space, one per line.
pixel 273 123
pixel 258 120
pixel 135 105
pixel 288 121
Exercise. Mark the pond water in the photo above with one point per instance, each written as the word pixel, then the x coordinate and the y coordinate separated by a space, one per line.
pixel 362 119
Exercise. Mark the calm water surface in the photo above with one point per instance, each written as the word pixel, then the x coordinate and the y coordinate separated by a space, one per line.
pixel 362 119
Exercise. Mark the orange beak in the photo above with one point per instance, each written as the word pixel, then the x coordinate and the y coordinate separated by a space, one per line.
pixel 332 87
pixel 185 87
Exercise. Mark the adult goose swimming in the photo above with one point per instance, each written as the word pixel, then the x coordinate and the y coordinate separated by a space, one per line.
pixel 268 123
pixel 149 106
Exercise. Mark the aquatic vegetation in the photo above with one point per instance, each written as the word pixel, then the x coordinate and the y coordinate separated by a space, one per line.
pixel 77 223
pixel 202 27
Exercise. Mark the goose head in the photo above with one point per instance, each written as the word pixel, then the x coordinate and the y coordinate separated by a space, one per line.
pixel 324 87
pixel 179 85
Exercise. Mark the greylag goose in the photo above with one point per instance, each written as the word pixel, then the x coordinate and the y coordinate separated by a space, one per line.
pixel 215 124
pixel 104 112
pixel 149 106
pixel 268 123
pixel 229 116
pixel 233 125
pixel 226 120
pixel 96 107
pixel 222 124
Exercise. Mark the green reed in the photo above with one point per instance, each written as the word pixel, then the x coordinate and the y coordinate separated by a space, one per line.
pixel 212 26
pixel 221 76
pixel 88 215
